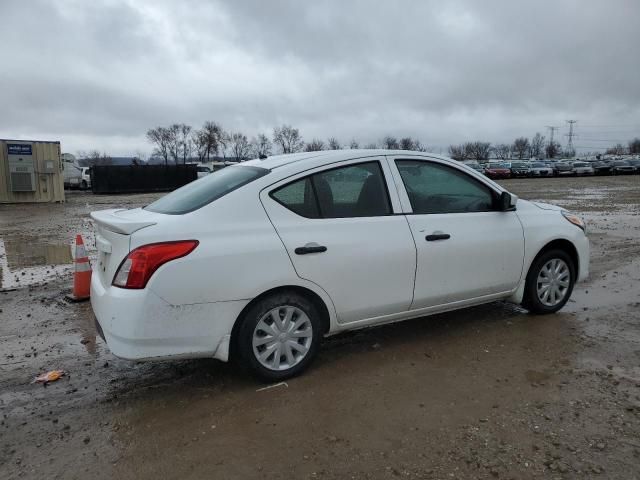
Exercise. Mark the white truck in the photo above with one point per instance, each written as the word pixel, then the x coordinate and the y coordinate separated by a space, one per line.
pixel 76 176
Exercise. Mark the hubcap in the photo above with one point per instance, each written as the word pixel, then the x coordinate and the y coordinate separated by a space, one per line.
pixel 553 282
pixel 282 338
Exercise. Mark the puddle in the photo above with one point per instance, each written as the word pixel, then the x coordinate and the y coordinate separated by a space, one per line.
pixel 24 261
pixel 24 252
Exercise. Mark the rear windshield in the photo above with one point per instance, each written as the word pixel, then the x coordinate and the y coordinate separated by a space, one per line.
pixel 580 164
pixel 539 165
pixel 201 192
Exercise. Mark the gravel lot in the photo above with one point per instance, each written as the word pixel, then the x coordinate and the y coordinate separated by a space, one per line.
pixel 487 392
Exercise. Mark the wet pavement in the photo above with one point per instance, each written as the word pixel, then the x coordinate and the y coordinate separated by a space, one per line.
pixel 487 392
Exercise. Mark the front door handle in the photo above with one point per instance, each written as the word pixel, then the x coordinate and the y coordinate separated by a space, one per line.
pixel 310 248
pixel 437 236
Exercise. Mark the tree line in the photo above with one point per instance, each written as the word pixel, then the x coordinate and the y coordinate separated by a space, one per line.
pixel 632 148
pixel 179 143
pixel 521 148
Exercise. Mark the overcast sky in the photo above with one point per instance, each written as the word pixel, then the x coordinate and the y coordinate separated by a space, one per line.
pixel 98 74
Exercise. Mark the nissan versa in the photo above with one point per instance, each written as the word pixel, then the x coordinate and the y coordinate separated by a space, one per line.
pixel 259 261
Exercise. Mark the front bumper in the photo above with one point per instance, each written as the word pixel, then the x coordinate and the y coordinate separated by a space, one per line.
pixel 139 325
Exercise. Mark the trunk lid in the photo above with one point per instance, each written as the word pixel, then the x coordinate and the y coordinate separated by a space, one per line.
pixel 113 237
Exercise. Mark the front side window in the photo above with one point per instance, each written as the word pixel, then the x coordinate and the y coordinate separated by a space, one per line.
pixel 353 191
pixel 435 188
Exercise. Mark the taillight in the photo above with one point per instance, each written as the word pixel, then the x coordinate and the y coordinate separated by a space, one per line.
pixel 136 270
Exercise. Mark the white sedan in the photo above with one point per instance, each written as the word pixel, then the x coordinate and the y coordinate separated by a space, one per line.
pixel 261 260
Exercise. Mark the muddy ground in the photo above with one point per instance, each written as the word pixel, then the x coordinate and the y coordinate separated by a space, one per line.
pixel 487 392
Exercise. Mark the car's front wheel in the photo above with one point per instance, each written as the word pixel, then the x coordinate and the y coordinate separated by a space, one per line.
pixel 549 282
pixel 279 336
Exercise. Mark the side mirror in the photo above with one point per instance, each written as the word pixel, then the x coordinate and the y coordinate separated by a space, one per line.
pixel 507 202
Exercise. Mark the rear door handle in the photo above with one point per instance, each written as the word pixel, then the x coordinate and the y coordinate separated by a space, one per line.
pixel 310 248
pixel 437 236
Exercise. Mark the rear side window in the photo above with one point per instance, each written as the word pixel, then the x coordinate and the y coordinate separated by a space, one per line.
pixel 299 197
pixel 436 188
pixel 199 193
pixel 352 191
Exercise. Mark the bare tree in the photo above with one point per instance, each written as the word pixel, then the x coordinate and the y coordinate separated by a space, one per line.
pixel 174 143
pixel 159 137
pixel 390 143
pixel 537 145
pixel 634 146
pixel 502 151
pixel 371 146
pixel 211 134
pixel 288 139
pixel 200 144
pixel 457 152
pixel 239 145
pixel 618 149
pixel 314 145
pixel 553 149
pixel 354 144
pixel 260 146
pixel 521 147
pixel 408 143
pixel 94 157
pixel 333 144
pixel 185 141
pixel 224 140
pixel 478 151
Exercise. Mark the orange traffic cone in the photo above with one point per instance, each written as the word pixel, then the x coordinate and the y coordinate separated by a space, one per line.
pixel 82 275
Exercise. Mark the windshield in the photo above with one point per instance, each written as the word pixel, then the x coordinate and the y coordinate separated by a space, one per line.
pixel 580 164
pixel 519 165
pixel 620 164
pixel 539 165
pixel 201 192
pixel 497 165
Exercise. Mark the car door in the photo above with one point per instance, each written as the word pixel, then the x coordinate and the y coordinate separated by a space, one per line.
pixel 466 247
pixel 339 228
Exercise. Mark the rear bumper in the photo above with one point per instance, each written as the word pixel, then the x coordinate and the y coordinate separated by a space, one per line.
pixel 139 325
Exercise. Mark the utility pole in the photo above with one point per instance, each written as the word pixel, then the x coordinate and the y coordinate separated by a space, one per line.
pixel 551 132
pixel 570 135
pixel 551 147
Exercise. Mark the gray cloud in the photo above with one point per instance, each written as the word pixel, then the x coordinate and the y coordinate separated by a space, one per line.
pixel 99 74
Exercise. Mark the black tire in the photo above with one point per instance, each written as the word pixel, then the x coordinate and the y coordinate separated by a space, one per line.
pixel 83 185
pixel 530 300
pixel 244 341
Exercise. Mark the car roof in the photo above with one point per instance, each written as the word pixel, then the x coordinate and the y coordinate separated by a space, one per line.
pixel 323 157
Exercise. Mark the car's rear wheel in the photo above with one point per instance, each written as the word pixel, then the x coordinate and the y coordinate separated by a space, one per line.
pixel 279 336
pixel 549 282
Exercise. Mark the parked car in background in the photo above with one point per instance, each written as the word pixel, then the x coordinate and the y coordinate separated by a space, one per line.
pixel 541 169
pixel 203 171
pixel 262 260
pixel 622 167
pixel 582 168
pixel 520 169
pixel 497 170
pixel 602 167
pixel 561 169
pixel 636 164
pixel 476 166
